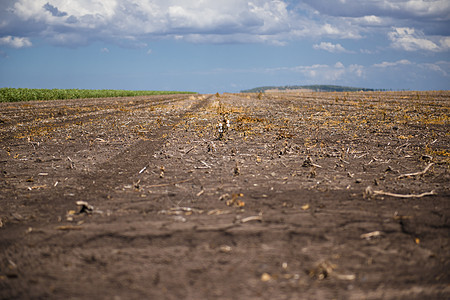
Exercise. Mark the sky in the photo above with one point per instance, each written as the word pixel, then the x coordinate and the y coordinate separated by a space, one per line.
pixel 210 46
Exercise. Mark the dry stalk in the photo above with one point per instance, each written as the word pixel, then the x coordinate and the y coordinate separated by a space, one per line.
pixel 370 235
pixel 252 218
pixel 143 169
pixel 416 173
pixel 168 184
pixel 369 192
pixel 192 148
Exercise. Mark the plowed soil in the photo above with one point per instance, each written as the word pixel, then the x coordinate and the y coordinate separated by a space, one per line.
pixel 303 196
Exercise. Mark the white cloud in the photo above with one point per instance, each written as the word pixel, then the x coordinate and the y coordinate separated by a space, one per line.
pixel 333 48
pixel 343 31
pixel 325 73
pixel 15 42
pixel 104 50
pixel 441 67
pixel 372 20
pixel 430 16
pixel 431 9
pixel 368 51
pixel 335 28
pixel 409 39
pixel 277 22
pixel 386 64
pixel 74 23
pixel 409 74
pixel 357 70
pixel 445 43
pixel 146 19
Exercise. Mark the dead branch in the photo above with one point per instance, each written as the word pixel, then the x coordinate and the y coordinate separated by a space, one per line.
pixel 251 218
pixel 192 148
pixel 167 184
pixel 143 169
pixel 416 173
pixel 370 235
pixel 206 165
pixel 217 212
pixel 369 192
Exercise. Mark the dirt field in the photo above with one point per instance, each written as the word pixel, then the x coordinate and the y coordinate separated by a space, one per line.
pixel 304 196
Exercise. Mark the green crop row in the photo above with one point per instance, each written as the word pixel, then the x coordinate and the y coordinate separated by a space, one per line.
pixel 20 94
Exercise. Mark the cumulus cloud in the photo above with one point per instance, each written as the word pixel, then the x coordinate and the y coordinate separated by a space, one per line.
pixel 386 64
pixel 324 72
pixel 330 47
pixel 430 16
pixel 74 23
pixel 140 19
pixel 409 74
pixel 330 73
pixel 409 39
pixel 15 42
pixel 134 22
pixel 441 67
pixel 429 9
pixel 370 20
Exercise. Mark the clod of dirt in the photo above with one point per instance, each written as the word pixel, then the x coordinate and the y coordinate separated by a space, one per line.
pixel 307 162
pixel 237 170
pixel 322 270
pixel 84 207
pixel 161 172
pixel 265 277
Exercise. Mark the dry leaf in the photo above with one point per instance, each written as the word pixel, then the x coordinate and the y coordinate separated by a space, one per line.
pixel 234 201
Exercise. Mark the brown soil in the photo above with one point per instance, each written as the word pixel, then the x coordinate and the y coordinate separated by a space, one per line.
pixel 291 203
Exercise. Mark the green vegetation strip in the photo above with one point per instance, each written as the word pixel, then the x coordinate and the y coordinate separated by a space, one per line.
pixel 20 94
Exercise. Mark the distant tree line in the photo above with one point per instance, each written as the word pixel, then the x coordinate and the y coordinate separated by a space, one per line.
pixel 315 88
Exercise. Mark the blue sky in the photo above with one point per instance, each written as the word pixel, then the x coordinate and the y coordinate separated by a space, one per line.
pixel 213 46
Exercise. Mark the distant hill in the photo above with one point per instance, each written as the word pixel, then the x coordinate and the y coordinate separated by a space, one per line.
pixel 315 88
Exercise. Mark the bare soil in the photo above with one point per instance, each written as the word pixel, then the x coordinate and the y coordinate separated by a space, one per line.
pixel 304 196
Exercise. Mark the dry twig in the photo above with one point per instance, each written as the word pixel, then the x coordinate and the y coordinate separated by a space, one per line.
pixel 416 173
pixel 369 192
pixel 167 184
pixel 370 235
pixel 143 169
pixel 251 218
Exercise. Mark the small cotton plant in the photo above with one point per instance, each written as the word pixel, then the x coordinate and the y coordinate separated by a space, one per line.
pixel 220 130
pixel 223 127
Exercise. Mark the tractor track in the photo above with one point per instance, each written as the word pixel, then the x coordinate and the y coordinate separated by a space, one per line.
pixel 21 118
